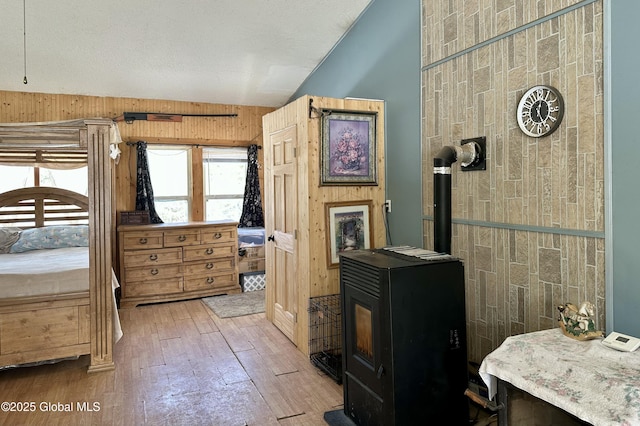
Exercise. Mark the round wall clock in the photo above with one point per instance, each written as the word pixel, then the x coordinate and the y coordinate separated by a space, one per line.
pixel 540 111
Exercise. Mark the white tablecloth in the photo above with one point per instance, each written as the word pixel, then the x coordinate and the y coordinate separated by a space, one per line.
pixel 585 378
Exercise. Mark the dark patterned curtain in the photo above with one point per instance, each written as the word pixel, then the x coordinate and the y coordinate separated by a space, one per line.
pixel 252 205
pixel 144 191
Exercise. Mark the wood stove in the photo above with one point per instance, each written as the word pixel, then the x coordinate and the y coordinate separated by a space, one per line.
pixel 404 337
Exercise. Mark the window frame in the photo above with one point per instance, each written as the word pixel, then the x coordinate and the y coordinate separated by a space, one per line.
pixel 197 185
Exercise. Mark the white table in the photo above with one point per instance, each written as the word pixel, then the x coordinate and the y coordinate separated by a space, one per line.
pixel 594 383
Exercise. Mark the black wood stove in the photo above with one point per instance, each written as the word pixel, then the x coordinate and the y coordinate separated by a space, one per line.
pixel 404 337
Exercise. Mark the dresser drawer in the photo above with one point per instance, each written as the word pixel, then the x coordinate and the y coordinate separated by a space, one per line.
pixel 208 252
pixel 153 288
pixel 210 281
pixel 181 237
pixel 218 235
pixel 152 273
pixel 214 265
pixel 153 257
pixel 142 240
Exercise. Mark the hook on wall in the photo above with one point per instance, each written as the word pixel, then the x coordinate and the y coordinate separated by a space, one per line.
pixel 313 110
pixel 319 113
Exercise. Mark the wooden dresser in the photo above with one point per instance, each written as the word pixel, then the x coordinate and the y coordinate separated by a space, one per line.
pixel 165 262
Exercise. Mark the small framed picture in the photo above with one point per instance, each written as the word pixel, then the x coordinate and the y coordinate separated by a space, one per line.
pixel 348 156
pixel 348 228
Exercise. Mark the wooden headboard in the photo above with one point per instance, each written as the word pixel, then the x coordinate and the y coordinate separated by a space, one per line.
pixel 41 206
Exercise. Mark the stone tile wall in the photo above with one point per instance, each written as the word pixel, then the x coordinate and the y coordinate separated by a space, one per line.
pixel 530 228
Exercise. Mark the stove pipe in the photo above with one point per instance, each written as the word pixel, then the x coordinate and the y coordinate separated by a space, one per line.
pixel 468 154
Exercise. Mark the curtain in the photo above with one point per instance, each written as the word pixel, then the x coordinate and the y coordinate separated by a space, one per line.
pixel 252 205
pixel 144 191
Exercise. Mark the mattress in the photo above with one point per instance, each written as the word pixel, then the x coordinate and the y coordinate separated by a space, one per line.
pixel 40 272
pixel 50 271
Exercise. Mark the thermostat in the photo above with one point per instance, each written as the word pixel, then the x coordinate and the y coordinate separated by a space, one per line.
pixel 621 342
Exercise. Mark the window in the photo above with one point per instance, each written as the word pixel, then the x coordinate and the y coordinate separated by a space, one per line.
pixel 170 178
pixel 14 177
pixel 225 173
pixel 218 195
pixel 17 177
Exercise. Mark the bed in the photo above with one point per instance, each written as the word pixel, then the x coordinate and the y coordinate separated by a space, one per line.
pixel 57 301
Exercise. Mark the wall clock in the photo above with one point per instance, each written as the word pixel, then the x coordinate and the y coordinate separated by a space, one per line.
pixel 540 111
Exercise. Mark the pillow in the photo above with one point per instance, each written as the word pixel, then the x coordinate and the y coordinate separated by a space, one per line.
pixel 8 236
pixel 50 237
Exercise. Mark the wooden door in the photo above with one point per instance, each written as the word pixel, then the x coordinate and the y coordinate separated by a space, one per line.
pixel 280 225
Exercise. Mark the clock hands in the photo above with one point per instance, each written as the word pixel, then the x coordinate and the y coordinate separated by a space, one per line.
pixel 538 105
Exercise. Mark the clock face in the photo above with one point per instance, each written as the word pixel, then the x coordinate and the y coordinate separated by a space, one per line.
pixel 540 111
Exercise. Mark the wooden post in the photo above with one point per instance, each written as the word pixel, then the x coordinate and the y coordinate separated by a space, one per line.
pixel 100 291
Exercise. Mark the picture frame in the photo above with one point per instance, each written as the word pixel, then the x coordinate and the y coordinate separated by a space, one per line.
pixel 348 148
pixel 348 227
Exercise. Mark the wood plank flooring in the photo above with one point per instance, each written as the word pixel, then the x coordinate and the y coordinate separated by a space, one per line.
pixel 179 364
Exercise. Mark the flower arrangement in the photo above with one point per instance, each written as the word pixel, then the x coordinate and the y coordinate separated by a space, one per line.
pixel 349 153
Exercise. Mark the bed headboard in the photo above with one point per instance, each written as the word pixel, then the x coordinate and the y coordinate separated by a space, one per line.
pixel 41 206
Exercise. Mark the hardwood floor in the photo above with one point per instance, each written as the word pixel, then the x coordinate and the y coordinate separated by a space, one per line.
pixel 179 364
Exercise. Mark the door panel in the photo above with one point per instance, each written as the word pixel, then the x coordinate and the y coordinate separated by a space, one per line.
pixel 280 223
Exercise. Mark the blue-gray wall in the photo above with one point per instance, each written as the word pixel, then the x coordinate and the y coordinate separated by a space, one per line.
pixel 380 59
pixel 623 142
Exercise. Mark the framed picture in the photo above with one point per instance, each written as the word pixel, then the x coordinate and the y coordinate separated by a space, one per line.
pixel 348 228
pixel 348 142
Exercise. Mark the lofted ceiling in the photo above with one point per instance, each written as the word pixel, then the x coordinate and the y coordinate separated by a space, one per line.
pixel 241 52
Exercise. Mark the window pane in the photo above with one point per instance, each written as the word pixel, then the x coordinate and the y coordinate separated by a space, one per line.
pixel 169 171
pixel 224 208
pixel 172 211
pixel 170 176
pixel 75 180
pixel 225 178
pixel 225 174
pixel 14 177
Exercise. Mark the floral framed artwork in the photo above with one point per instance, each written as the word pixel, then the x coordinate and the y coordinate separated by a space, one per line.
pixel 348 228
pixel 348 155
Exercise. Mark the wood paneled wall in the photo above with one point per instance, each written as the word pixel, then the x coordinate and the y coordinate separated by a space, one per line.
pixel 243 130
pixel 312 275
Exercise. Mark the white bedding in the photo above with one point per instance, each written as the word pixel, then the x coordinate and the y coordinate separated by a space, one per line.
pixel 39 272
pixel 50 271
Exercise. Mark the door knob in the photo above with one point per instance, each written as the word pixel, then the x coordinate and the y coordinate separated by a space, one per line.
pixel 271 238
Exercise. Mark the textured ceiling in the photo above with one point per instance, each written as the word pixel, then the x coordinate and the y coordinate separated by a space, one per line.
pixel 242 52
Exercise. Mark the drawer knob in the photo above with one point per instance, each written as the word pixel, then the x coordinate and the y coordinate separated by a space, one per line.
pixel 182 238
pixel 154 271
pixel 217 235
pixel 209 265
pixel 143 241
pixel 210 280
pixel 209 250
pixel 153 257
